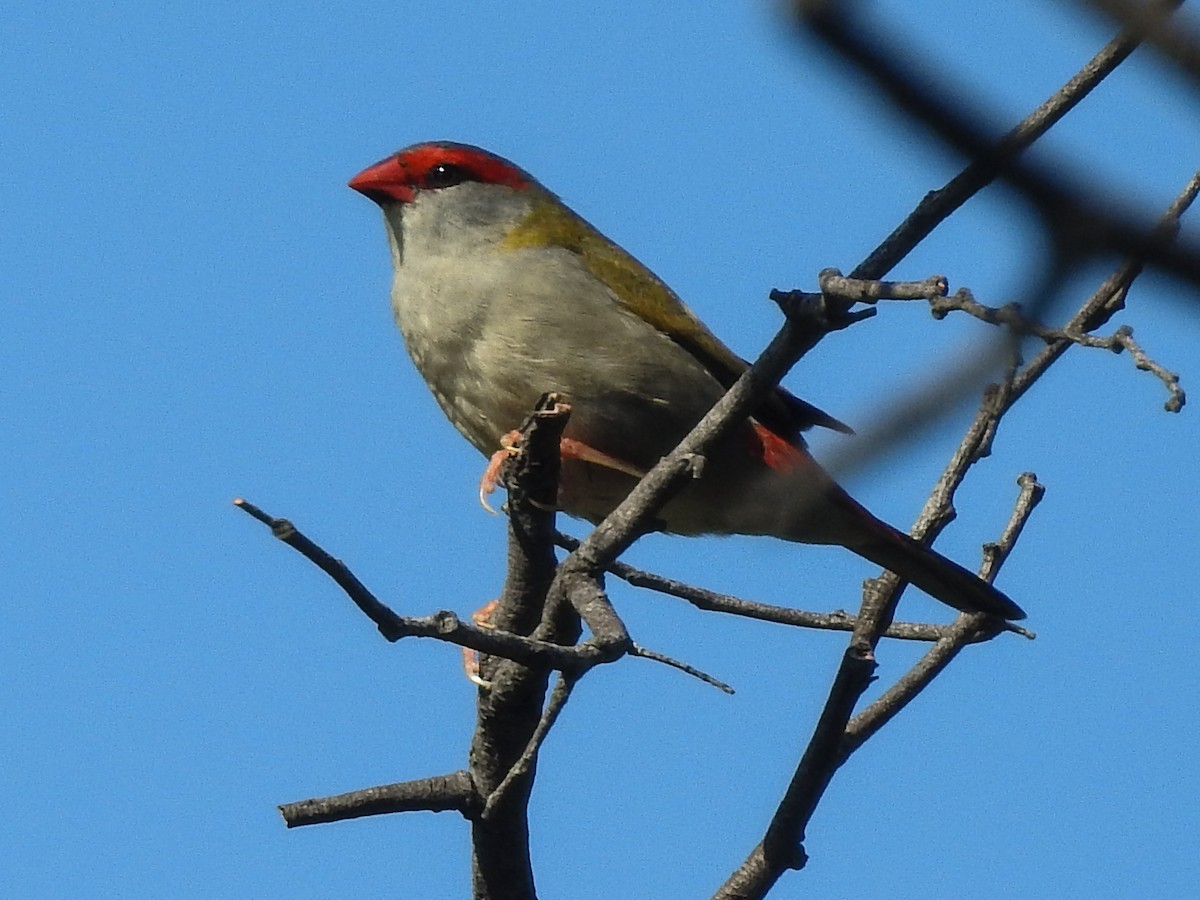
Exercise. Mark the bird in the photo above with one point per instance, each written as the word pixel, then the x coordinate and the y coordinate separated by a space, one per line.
pixel 502 294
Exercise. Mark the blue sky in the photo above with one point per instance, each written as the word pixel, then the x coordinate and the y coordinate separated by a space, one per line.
pixel 195 308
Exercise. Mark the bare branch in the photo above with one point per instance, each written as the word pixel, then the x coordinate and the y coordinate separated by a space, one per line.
pixel 385 620
pixel 509 712
pixel 531 477
pixel 638 650
pixel 443 625
pixel 1107 299
pixel 1152 24
pixel 964 631
pixel 439 793
pixel 523 765
pixel 1078 224
pixel 583 590
pixel 782 847
pixel 711 601
pixel 1010 315
pixel 995 553
pixel 865 290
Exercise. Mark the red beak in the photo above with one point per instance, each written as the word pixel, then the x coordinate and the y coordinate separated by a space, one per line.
pixel 386 181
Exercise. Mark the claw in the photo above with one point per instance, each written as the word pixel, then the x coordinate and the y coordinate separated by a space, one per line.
pixel 491 474
pixel 481 617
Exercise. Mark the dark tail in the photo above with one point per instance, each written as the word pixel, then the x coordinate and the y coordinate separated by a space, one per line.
pixel 935 574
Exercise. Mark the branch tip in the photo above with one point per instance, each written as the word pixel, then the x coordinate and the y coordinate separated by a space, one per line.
pixel 644 653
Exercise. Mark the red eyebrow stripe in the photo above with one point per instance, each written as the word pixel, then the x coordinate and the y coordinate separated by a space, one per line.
pixel 486 167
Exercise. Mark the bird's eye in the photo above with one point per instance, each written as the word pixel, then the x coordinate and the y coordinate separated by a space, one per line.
pixel 445 175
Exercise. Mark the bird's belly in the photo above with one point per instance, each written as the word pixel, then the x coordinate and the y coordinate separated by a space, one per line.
pixel 634 392
pixel 489 349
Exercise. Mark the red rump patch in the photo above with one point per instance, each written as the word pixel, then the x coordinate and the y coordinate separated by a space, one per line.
pixel 775 451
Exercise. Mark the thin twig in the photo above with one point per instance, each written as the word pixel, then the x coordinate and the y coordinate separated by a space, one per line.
pixel 558 699
pixel 711 601
pixel 442 625
pixel 639 650
pixel 385 620
pixel 996 552
pixel 965 628
pixel 1079 225
pixel 1011 316
pixel 1172 37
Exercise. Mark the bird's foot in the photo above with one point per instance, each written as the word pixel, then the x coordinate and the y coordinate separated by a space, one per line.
pixel 483 618
pixel 569 448
pixel 491 475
